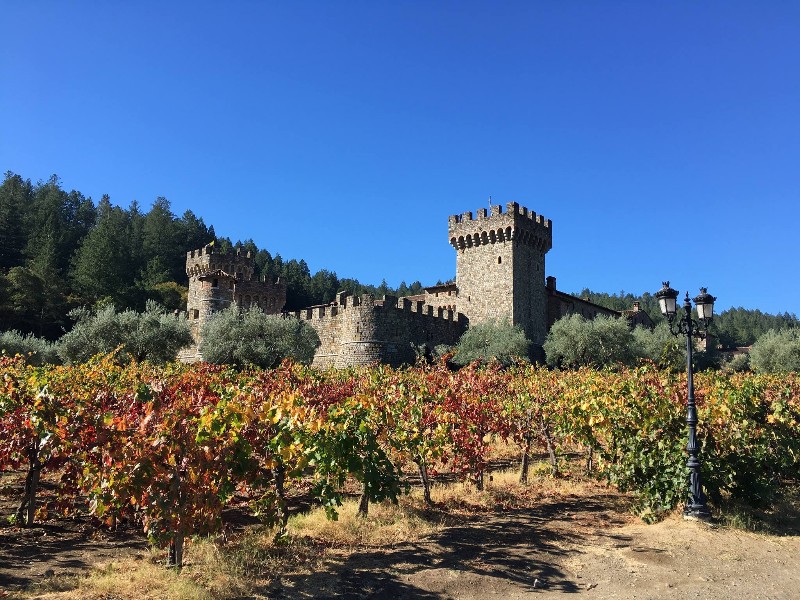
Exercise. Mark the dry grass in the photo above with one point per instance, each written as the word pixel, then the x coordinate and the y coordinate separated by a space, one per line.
pixel 129 579
pixel 504 451
pixel 249 563
pixel 386 525
pixel 781 518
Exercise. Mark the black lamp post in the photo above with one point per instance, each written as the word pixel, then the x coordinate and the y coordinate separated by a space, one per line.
pixel 696 507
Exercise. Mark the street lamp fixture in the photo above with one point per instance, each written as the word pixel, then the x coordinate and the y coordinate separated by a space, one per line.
pixel 696 504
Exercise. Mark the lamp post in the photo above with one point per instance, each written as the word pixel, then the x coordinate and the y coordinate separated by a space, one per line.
pixel 696 506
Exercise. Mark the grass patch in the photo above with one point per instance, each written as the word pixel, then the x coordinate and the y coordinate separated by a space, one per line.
pixel 124 580
pixel 386 525
pixel 250 562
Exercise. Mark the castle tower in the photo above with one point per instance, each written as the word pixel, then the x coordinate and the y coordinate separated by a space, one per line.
pixel 211 287
pixel 219 279
pixel 500 266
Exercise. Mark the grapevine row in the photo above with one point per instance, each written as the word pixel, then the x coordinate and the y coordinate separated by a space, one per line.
pixel 170 447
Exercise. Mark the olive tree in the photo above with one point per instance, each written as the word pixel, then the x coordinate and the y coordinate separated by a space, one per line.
pixel 153 335
pixel 776 352
pixel 660 346
pixel 492 340
pixel 253 338
pixel 574 341
pixel 36 351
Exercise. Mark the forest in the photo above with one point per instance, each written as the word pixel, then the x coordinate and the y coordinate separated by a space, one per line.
pixel 60 250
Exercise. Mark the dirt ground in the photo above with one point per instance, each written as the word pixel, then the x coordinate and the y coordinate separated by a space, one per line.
pixel 584 544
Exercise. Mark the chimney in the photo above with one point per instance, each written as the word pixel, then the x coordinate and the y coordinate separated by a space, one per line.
pixel 551 283
pixel 636 306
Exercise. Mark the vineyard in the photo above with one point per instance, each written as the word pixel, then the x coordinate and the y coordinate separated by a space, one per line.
pixel 169 448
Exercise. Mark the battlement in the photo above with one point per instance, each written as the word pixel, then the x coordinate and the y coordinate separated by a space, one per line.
pixel 498 226
pixel 238 263
pixel 208 250
pixel 360 330
pixel 496 210
pixel 345 300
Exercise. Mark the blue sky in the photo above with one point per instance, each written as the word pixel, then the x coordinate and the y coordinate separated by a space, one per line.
pixel 662 139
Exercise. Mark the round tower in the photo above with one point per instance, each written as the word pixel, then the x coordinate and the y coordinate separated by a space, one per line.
pixel 211 288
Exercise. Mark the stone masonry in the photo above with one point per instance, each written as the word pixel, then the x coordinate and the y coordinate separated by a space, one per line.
pixel 219 279
pixel 359 330
pixel 500 266
pixel 500 276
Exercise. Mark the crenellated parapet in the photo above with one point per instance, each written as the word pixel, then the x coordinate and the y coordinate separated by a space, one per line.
pixel 404 305
pixel 494 226
pixel 239 264
pixel 360 330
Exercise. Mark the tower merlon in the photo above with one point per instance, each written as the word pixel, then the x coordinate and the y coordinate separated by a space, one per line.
pixel 515 223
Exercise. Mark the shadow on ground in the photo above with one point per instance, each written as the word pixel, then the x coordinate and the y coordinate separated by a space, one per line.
pixel 510 553
pixel 30 554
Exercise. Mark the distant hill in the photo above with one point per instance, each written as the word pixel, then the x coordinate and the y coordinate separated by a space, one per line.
pixel 60 250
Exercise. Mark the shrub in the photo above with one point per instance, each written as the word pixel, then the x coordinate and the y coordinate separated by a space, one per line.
pixel 739 363
pixel 574 341
pixel 152 335
pixel 776 352
pixel 37 351
pixel 660 346
pixel 252 338
pixel 492 340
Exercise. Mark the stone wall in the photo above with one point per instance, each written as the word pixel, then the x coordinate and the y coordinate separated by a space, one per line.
pixel 361 330
pixel 438 296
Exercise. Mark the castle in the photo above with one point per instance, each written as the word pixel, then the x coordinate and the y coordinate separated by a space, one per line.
pixel 500 275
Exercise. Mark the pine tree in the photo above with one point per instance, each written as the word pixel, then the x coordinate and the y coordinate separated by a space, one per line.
pixel 103 266
pixel 15 198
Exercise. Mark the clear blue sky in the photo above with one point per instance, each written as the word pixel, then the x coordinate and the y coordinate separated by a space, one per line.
pixel 652 134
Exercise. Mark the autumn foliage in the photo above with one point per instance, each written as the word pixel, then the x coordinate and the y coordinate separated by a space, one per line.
pixel 171 447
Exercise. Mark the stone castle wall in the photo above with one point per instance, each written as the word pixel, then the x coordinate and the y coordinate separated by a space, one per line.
pixel 500 275
pixel 560 305
pixel 361 330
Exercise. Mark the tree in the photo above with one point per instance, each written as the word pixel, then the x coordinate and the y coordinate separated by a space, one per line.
pixel 298 278
pixel 492 340
pixel 192 234
pixel 152 335
pixel 36 351
pixel 38 296
pixel 574 341
pixel 56 221
pixel 160 243
pixel 252 338
pixel 104 265
pixel 323 287
pixel 742 327
pixel 660 346
pixel 15 198
pixel 776 352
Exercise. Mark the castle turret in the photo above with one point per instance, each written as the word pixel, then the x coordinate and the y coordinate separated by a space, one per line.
pixel 219 279
pixel 500 266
